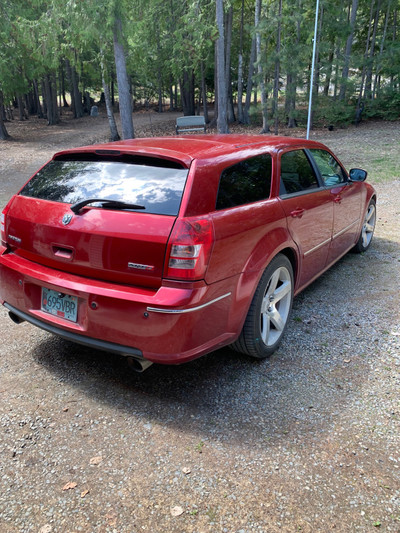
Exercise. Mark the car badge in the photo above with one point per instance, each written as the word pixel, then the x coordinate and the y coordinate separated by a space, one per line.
pixel 67 219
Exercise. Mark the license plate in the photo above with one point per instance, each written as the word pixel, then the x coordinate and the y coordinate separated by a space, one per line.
pixel 59 304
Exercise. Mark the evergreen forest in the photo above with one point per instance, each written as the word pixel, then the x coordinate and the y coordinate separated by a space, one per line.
pixel 248 60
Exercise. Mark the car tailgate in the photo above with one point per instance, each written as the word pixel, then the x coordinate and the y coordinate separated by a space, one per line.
pixel 120 246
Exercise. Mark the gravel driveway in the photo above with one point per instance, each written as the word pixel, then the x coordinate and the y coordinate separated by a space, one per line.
pixel 306 441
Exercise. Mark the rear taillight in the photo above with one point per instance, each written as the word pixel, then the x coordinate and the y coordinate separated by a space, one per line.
pixel 3 229
pixel 189 249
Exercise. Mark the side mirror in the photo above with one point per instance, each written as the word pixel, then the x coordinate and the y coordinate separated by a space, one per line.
pixel 357 174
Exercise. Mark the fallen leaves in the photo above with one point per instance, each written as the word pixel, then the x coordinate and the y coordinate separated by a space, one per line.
pixel 96 460
pixel 176 511
pixel 70 485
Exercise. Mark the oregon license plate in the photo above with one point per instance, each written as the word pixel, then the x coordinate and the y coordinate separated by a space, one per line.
pixel 59 304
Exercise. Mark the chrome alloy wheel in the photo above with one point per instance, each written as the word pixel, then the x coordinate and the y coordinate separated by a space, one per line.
pixel 275 306
pixel 368 228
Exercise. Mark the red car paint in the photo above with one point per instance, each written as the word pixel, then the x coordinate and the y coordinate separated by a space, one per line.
pixel 153 310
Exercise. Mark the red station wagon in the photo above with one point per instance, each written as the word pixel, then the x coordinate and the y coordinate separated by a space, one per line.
pixel 165 249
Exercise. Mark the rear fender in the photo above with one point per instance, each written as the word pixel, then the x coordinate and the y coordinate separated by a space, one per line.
pixel 278 241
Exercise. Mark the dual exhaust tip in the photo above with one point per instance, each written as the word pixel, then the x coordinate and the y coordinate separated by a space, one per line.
pixel 137 365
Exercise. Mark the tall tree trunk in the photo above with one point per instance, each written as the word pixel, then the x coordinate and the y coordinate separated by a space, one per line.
pixel 347 53
pixel 222 121
pixel 378 67
pixel 360 94
pixel 261 81
pixel 125 99
pixel 62 87
pixel 368 77
pixel 228 77
pixel 276 70
pixel 204 93
pixel 330 68
pixel 21 111
pixel 240 67
pixel 37 99
pixel 3 130
pixel 51 110
pixel 53 79
pixel 114 135
pixel 187 92
pixel 246 110
pixel 76 96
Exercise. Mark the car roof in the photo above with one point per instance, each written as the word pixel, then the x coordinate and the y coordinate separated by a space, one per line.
pixel 186 148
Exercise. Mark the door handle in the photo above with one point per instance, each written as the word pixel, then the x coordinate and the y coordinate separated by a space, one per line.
pixel 297 213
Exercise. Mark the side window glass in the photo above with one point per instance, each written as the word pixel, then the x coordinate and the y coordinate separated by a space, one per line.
pixel 297 174
pixel 246 182
pixel 332 173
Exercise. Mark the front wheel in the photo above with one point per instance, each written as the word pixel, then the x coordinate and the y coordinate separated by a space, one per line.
pixel 367 231
pixel 269 311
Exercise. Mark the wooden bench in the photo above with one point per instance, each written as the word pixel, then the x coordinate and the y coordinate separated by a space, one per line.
pixel 190 123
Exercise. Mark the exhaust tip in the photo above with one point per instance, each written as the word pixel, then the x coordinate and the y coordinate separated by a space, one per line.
pixel 138 365
pixel 15 318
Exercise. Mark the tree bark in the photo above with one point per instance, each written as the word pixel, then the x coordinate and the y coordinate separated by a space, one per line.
pixel 187 92
pixel 228 77
pixel 125 99
pixel 240 67
pixel 222 120
pixel 204 94
pixel 114 135
pixel 249 87
pixel 368 77
pixel 347 53
pixel 51 110
pixel 276 70
pixel 36 95
pixel 261 81
pixel 3 130
pixel 378 67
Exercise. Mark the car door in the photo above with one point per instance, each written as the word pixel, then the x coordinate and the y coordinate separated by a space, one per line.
pixel 346 199
pixel 309 211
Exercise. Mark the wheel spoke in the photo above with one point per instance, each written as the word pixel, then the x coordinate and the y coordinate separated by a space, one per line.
pixel 369 228
pixel 277 320
pixel 265 328
pixel 370 214
pixel 273 283
pixel 282 291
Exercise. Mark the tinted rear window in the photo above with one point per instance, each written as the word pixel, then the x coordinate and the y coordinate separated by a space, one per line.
pixel 157 188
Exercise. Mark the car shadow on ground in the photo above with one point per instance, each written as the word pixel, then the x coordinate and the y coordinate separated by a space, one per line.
pixel 301 390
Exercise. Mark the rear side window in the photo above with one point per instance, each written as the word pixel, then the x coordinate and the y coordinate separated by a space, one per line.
pixel 297 174
pixel 159 189
pixel 246 182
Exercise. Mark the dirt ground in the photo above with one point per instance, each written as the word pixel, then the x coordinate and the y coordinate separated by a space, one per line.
pixel 307 441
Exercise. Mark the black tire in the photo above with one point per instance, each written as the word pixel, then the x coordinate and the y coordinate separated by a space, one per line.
pixel 368 227
pixel 269 311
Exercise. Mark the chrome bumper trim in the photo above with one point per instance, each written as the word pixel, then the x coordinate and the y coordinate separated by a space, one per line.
pixel 183 311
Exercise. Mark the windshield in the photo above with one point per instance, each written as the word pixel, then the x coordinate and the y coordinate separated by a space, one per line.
pixel 159 189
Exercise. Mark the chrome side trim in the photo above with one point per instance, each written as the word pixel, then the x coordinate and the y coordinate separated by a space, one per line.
pixel 183 311
pixel 345 229
pixel 317 247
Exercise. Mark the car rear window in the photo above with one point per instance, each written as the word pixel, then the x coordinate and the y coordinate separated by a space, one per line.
pixel 145 182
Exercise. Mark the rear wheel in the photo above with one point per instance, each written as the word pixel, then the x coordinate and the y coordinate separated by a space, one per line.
pixel 269 311
pixel 367 231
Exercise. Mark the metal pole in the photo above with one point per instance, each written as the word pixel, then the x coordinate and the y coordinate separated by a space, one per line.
pixel 312 70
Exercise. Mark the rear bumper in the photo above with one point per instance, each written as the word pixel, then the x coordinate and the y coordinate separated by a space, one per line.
pixel 171 325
